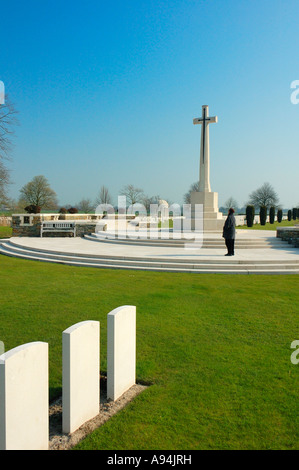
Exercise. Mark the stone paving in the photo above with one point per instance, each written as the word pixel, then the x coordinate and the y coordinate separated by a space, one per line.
pixel 273 256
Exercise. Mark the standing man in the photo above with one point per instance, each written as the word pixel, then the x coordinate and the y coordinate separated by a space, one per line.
pixel 229 232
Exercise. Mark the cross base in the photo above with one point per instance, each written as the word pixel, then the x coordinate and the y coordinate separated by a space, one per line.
pixel 213 220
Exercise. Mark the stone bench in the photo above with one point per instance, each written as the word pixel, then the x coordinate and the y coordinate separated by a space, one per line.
pixel 50 227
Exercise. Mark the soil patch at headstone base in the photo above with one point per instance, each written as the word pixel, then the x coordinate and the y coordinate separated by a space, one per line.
pixel 60 441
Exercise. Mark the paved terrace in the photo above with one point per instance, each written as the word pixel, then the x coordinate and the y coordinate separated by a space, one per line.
pixel 256 251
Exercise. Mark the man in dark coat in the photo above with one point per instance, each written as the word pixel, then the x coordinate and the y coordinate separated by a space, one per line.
pixel 229 232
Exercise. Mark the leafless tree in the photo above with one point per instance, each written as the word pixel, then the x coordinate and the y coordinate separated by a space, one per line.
pixel 103 196
pixel 231 202
pixel 187 196
pixel 85 206
pixel 39 193
pixel 264 196
pixel 4 182
pixel 7 122
pixel 148 200
pixel 133 194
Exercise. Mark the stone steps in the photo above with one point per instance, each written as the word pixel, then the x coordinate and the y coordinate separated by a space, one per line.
pixel 225 265
pixel 217 243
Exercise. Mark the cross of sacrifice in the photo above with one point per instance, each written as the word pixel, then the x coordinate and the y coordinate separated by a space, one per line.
pixel 205 120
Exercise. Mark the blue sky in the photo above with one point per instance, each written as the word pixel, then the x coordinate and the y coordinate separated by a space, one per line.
pixel 107 93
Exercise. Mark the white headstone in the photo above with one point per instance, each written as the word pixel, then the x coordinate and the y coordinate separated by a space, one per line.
pixel 121 351
pixel 81 374
pixel 24 398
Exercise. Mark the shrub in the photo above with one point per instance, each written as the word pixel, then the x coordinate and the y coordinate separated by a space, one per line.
pixel 32 209
pixel 63 210
pixel 263 215
pixel 250 212
pixel 279 215
pixel 73 210
pixel 289 215
pixel 294 213
pixel 272 215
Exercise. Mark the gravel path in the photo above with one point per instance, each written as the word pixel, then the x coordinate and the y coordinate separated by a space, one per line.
pixel 61 441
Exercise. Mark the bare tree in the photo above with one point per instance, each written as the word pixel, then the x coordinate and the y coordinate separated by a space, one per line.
pixel 85 206
pixel 7 122
pixel 4 182
pixel 264 196
pixel 133 194
pixel 103 196
pixel 231 202
pixel 39 193
pixel 148 200
pixel 17 205
pixel 187 196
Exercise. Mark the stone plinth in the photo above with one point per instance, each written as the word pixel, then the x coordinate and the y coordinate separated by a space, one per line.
pixel 213 220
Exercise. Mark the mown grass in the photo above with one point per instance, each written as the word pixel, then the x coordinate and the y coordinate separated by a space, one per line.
pixel 268 226
pixel 5 232
pixel 215 347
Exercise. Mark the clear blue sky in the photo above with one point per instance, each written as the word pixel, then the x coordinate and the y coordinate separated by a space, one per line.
pixel 107 92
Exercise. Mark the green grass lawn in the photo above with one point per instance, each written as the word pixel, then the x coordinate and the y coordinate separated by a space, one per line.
pixel 268 226
pixel 216 349
pixel 5 232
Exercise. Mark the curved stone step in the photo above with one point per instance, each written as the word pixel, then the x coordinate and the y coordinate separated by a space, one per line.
pixel 206 243
pixel 227 266
pixel 55 253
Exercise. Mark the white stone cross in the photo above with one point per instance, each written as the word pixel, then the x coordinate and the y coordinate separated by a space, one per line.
pixel 204 175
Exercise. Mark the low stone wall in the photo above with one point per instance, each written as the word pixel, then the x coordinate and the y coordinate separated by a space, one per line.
pixel 21 229
pixel 5 221
pixel 77 217
pixel 30 226
pixel 81 230
pixel 289 234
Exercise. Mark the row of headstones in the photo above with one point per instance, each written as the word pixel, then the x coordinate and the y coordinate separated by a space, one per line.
pixel 24 382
